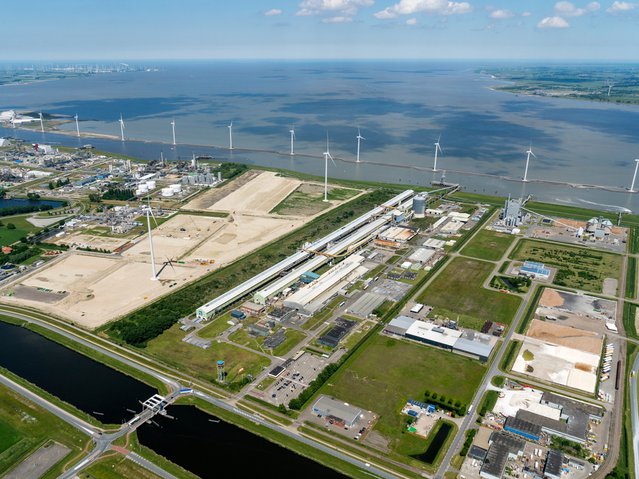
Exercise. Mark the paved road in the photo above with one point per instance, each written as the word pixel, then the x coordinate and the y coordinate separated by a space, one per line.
pixel 634 408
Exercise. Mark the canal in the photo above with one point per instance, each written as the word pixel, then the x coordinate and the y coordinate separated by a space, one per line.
pixel 193 439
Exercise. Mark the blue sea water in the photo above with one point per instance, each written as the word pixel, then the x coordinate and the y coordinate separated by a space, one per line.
pixel 401 108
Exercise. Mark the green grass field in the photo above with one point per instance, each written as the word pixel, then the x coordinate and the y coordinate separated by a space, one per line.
pixel 215 327
pixel 201 362
pixel 631 278
pixel 386 372
pixel 489 245
pixel 309 199
pixel 116 466
pixel 580 268
pixel 23 228
pixel 242 337
pixel 24 427
pixel 458 292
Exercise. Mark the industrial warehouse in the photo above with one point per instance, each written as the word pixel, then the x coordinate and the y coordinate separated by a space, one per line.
pixel 470 343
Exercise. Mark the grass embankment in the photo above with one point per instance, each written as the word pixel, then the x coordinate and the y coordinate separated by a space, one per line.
pixel 488 402
pixel 25 427
pixel 629 321
pixel 510 355
pixel 631 278
pixel 379 377
pixel 580 268
pixel 113 465
pixel 530 310
pixel 489 245
pixel 459 292
pixel 149 322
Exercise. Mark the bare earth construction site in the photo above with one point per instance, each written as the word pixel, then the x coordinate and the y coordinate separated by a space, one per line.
pixel 93 289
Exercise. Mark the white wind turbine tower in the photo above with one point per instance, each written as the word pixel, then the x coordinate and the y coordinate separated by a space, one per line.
pixel 529 152
pixel 359 139
pixel 77 125
pixel 173 127
pixel 292 132
pixel 437 148
pixel 41 123
pixel 149 213
pixel 230 127
pixel 634 177
pixel 121 127
pixel 327 155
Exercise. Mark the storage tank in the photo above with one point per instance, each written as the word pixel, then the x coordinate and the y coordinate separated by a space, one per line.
pixel 143 188
pixel 419 205
pixel 177 188
pixel 166 192
pixel 151 184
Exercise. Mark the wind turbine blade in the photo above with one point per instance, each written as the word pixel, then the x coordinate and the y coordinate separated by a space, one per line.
pixel 533 154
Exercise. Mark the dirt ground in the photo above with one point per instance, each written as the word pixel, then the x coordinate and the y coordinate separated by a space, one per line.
pixel 566 336
pixel 207 199
pixel 551 299
pixel 91 241
pixel 240 236
pixel 176 237
pixel 99 289
pixel 260 195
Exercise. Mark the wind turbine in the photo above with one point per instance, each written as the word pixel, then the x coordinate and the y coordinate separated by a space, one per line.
pixel 292 132
pixel 359 139
pixel 230 127
pixel 41 123
pixel 327 155
pixel 529 152
pixel 77 125
pixel 634 177
pixel 437 147
pixel 173 127
pixel 149 213
pixel 121 127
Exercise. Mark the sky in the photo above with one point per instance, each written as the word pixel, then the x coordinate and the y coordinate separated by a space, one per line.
pixel 320 29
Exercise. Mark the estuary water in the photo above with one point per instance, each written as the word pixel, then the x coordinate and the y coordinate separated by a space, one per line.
pixel 402 108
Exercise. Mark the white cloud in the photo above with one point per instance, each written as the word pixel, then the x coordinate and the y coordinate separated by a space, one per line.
pixel 339 11
pixel 567 9
pixel 436 7
pixel 273 12
pixel 501 14
pixel 553 22
pixel 621 7
pixel 337 19
pixel 411 21
pixel 526 14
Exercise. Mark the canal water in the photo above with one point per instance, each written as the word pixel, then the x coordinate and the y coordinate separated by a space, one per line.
pixel 430 454
pixel 89 385
pixel 18 202
pixel 195 440
pixel 206 448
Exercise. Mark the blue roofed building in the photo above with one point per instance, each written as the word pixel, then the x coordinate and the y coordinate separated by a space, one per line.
pixel 535 270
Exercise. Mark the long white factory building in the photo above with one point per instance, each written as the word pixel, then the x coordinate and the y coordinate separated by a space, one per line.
pixel 209 309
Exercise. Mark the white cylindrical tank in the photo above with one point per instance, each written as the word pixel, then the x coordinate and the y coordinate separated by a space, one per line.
pixel 151 184
pixel 177 188
pixel 167 192
pixel 419 205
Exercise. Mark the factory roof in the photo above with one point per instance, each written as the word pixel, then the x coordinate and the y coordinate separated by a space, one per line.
pixel 570 405
pixel 329 406
pixel 402 322
pixel 422 255
pixel 434 243
pixel 366 304
pixel 576 426
pixel 473 347
pixel 432 333
pixel 476 452
pixel 554 463
pixel 397 233
pixel 525 425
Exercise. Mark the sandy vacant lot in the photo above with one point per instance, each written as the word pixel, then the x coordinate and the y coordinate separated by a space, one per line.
pixel 100 288
pixel 260 195
pixel 241 236
pixel 205 200
pixel 91 241
pixel 566 336
pixel 558 364
pixel 176 237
